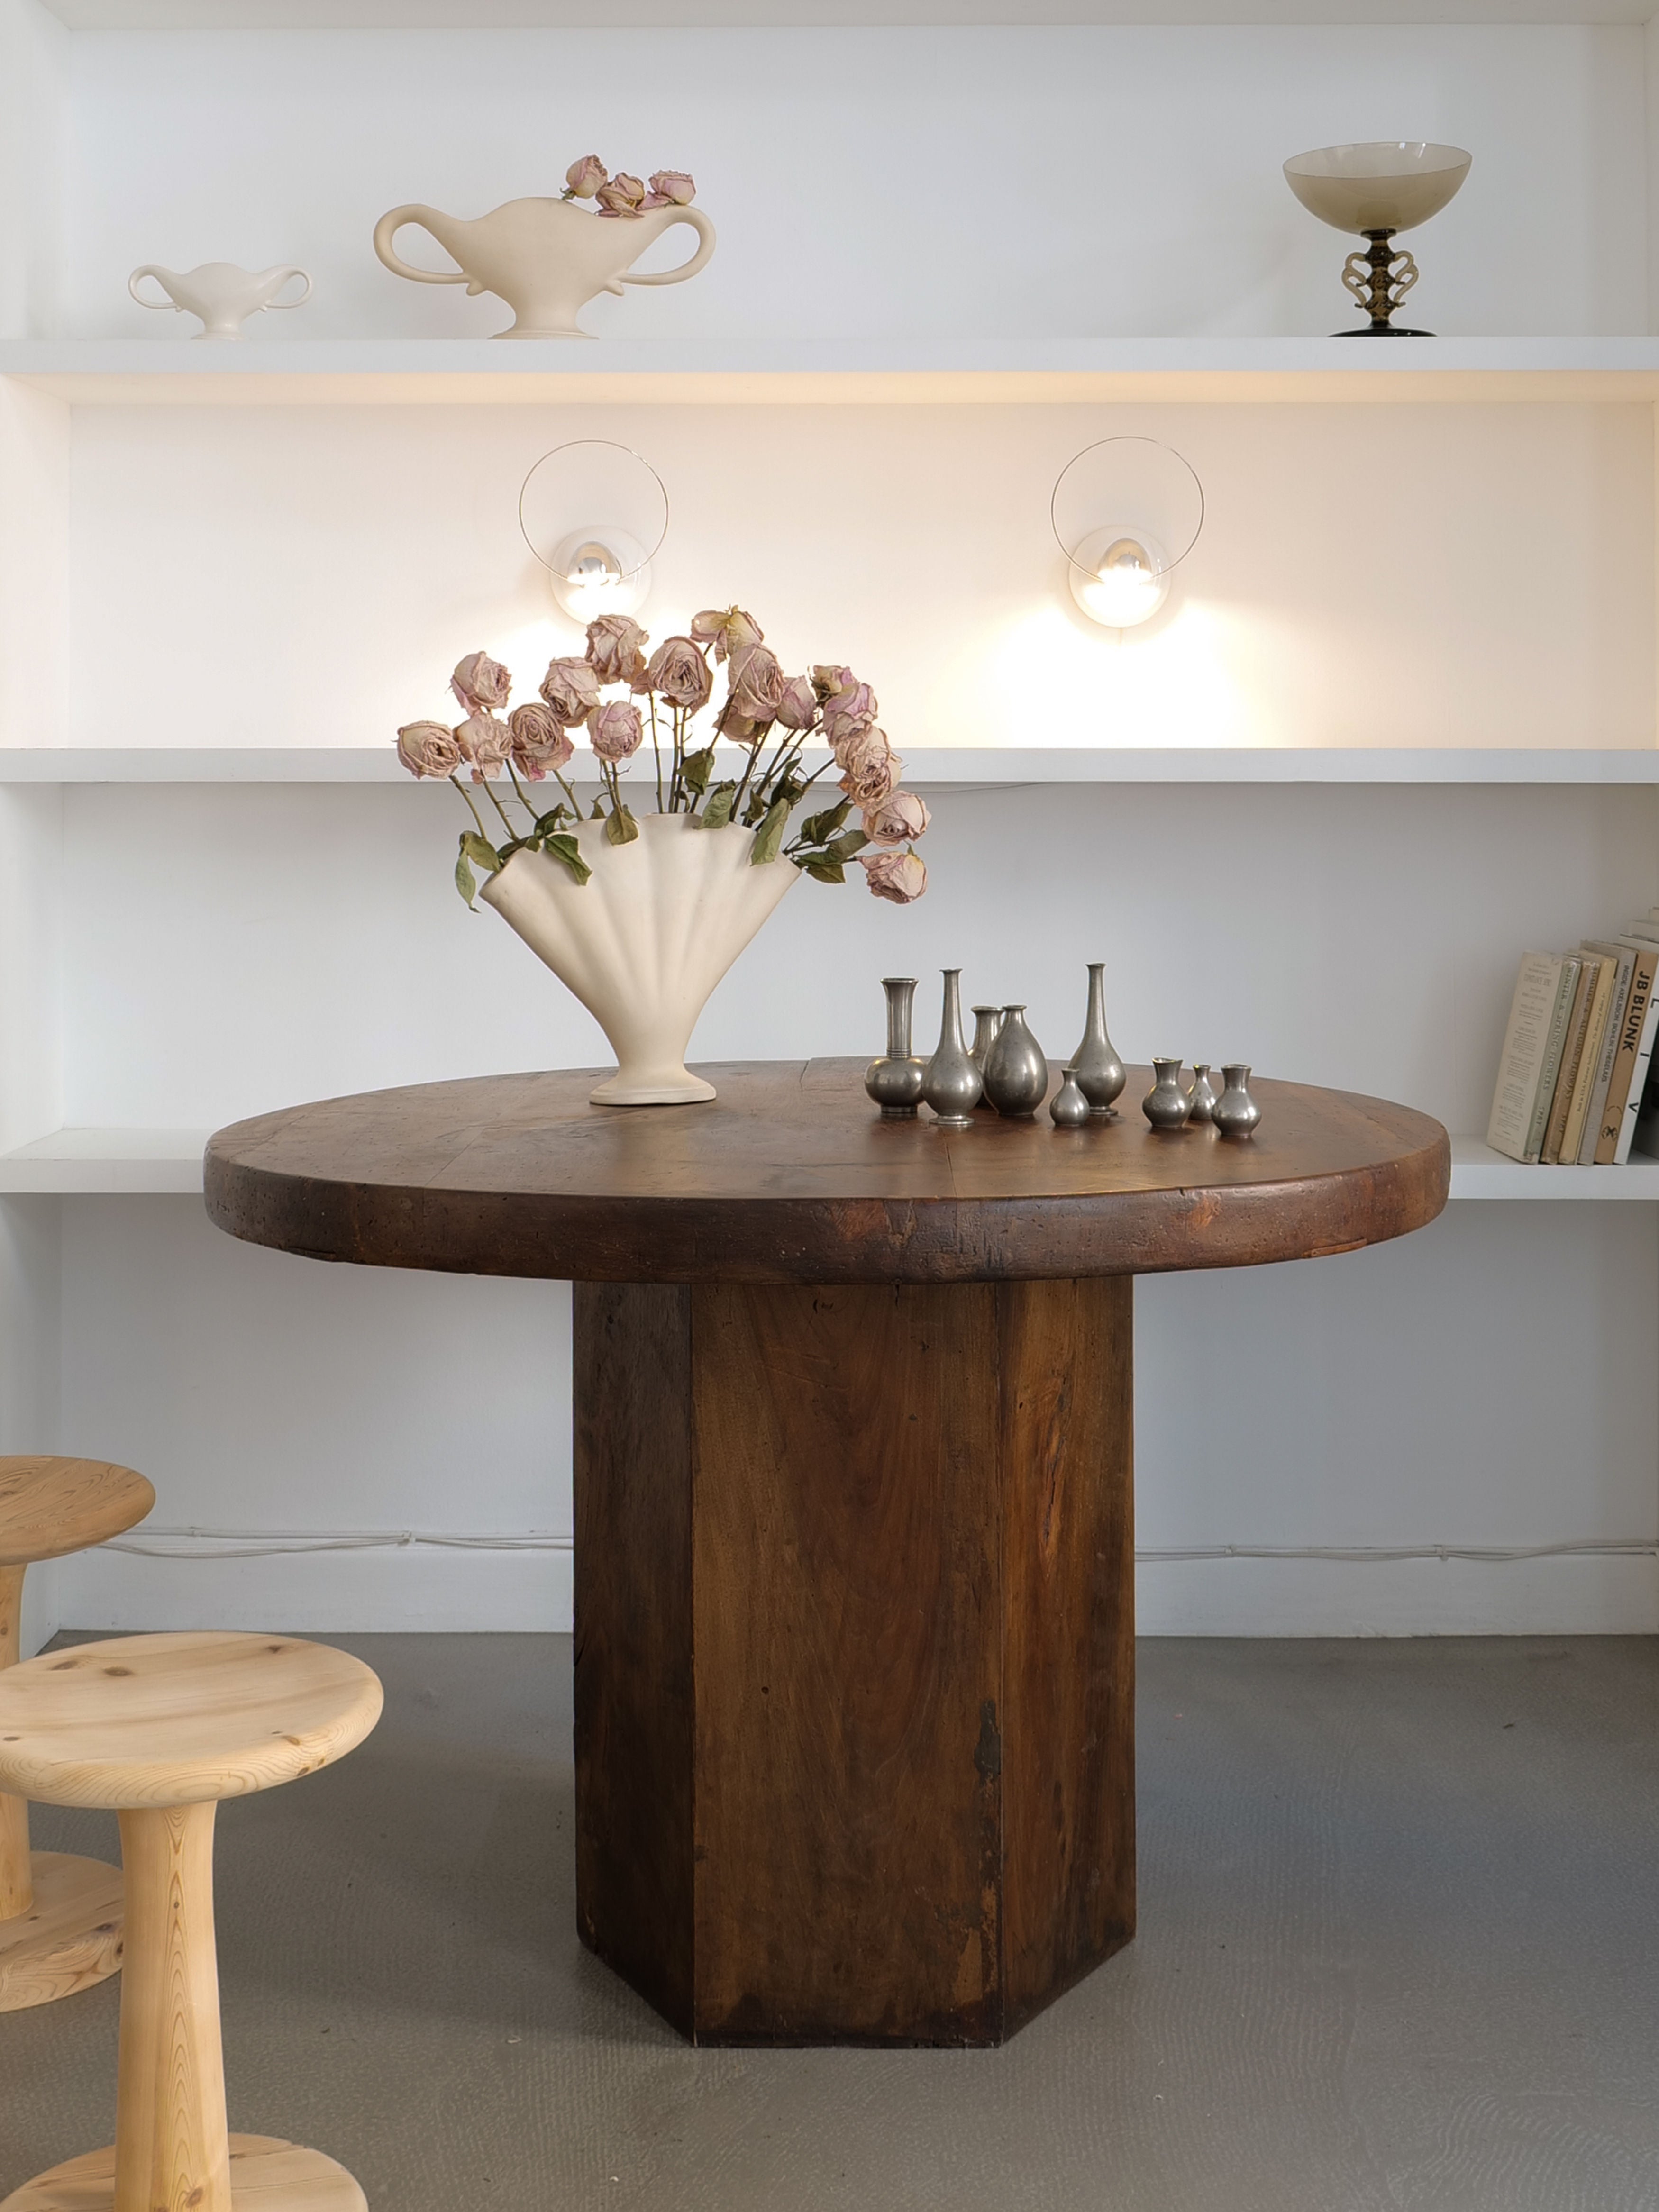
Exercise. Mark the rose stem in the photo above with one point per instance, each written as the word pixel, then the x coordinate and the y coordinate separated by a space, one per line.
pixel 657 750
pixel 471 809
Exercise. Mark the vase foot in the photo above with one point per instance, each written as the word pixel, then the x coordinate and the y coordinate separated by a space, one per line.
pixel 678 1087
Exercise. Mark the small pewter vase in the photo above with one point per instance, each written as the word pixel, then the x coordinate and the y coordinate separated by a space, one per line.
pixel 1237 1113
pixel 1100 1074
pixel 986 1019
pixel 1200 1099
pixel 951 1083
pixel 1165 1103
pixel 1068 1109
pixel 1015 1073
pixel 895 1080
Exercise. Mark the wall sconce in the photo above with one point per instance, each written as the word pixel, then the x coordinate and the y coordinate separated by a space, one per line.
pixel 1120 571
pixel 594 567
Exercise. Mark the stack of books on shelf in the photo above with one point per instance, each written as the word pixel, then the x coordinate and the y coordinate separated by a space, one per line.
pixel 1575 1083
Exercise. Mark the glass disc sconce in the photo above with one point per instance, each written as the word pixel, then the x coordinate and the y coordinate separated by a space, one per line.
pixel 594 567
pixel 1126 513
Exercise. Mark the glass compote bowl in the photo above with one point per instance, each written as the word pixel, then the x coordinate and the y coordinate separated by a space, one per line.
pixel 1376 189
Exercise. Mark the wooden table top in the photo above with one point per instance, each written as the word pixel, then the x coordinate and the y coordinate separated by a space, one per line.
pixel 790 1176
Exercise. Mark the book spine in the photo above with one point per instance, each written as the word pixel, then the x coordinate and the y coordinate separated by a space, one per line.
pixel 1561 1105
pixel 1552 1051
pixel 1589 1059
pixel 1537 984
pixel 1637 1083
pixel 1623 960
pixel 1629 1045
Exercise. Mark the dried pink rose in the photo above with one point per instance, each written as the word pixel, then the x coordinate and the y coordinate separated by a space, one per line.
pixel 675 185
pixel 571 688
pixel 756 684
pixel 614 730
pixel 870 767
pixel 896 819
pixel 540 740
pixel 486 741
pixel 480 683
pixel 848 713
pixel 678 673
pixel 726 629
pixel 901 876
pixel 428 748
pixel 797 703
pixel 621 196
pixel 828 676
pixel 584 178
pixel 615 647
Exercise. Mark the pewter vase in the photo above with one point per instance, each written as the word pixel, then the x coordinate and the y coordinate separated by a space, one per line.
pixel 985 1029
pixel 1237 1113
pixel 1200 1099
pixel 1165 1103
pixel 953 1084
pixel 1100 1074
pixel 1068 1109
pixel 895 1080
pixel 1015 1073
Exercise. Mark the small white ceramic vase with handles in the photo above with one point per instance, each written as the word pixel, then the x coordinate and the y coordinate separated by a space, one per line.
pixel 546 259
pixel 643 942
pixel 223 295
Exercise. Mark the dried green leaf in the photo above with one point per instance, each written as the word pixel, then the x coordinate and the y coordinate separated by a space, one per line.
pixel 825 871
pixel 844 847
pixel 620 827
pixel 768 838
pixel 564 848
pixel 819 829
pixel 718 812
pixel 696 769
pixel 481 850
pixel 464 882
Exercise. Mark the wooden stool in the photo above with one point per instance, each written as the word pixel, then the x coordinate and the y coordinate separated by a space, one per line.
pixel 60 1916
pixel 158 1728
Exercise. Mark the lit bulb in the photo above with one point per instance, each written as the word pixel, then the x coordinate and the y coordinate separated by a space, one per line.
pixel 596 576
pixel 1127 587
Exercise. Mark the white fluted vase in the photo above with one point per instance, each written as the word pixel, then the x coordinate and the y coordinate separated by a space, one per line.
pixel 643 942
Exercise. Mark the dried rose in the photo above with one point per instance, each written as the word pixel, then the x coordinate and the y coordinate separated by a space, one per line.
pixel 540 741
pixel 726 629
pixel 678 673
pixel 674 185
pixel 480 683
pixel 847 714
pixel 570 688
pixel 797 703
pixel 584 178
pixel 870 767
pixel 614 730
pixel 428 748
pixel 621 196
pixel 896 819
pixel 486 741
pixel 756 684
pixel 614 648
pixel 901 876
pixel 828 676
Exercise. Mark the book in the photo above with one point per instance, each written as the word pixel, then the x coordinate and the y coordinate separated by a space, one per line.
pixel 1645 1136
pixel 1624 1095
pixel 1543 984
pixel 1624 960
pixel 1590 1057
pixel 1549 1150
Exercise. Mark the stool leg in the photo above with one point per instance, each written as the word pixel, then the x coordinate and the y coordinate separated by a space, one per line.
pixel 172 2150
pixel 16 1888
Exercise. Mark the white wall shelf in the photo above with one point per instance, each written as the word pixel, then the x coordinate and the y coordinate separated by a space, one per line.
pixel 1479 1172
pixel 473 371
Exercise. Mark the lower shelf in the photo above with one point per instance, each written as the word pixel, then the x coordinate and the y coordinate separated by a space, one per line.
pixel 1479 1172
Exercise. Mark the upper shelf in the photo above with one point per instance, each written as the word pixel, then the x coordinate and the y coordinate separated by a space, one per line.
pixel 471 371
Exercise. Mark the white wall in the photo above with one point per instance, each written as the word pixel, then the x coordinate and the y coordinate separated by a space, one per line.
pixel 926 183
pixel 34 51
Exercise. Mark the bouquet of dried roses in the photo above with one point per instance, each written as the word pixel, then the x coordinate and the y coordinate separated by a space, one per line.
pixel 623 195
pixel 770 717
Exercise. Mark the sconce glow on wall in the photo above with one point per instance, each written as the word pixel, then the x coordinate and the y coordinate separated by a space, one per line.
pixel 1116 510
pixel 594 567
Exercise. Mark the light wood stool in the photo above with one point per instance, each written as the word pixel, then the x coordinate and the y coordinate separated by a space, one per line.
pixel 158 1728
pixel 60 1916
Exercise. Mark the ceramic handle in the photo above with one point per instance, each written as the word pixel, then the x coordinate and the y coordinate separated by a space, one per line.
pixel 386 229
pixel 705 230
pixel 304 296
pixel 137 278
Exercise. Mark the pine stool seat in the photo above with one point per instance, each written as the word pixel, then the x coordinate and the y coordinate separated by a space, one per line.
pixel 60 1915
pixel 159 1728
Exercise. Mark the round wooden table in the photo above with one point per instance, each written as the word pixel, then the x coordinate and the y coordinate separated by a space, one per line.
pixel 853 1448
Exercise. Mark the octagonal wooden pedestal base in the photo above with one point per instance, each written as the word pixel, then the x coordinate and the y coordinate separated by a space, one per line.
pixel 266 2175
pixel 69 1937
pixel 854 1651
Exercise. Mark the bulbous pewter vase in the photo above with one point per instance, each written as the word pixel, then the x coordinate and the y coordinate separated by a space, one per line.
pixel 1101 1075
pixel 1237 1113
pixel 1165 1103
pixel 953 1083
pixel 1068 1109
pixel 1200 1099
pixel 895 1080
pixel 1015 1073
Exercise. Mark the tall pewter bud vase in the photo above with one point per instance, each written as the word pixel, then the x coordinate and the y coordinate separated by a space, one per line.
pixel 1015 1073
pixel 951 1084
pixel 895 1081
pixel 1099 1074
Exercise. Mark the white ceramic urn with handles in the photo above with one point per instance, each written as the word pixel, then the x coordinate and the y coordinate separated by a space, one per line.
pixel 546 258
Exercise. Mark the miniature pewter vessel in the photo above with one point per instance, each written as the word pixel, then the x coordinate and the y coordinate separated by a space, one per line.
pixel 1100 1074
pixel 986 1019
pixel 1015 1073
pixel 951 1083
pixel 1165 1103
pixel 895 1080
pixel 1200 1099
pixel 1068 1109
pixel 1237 1113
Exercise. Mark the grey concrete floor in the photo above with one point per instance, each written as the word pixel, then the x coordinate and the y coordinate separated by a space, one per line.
pixel 1399 1950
